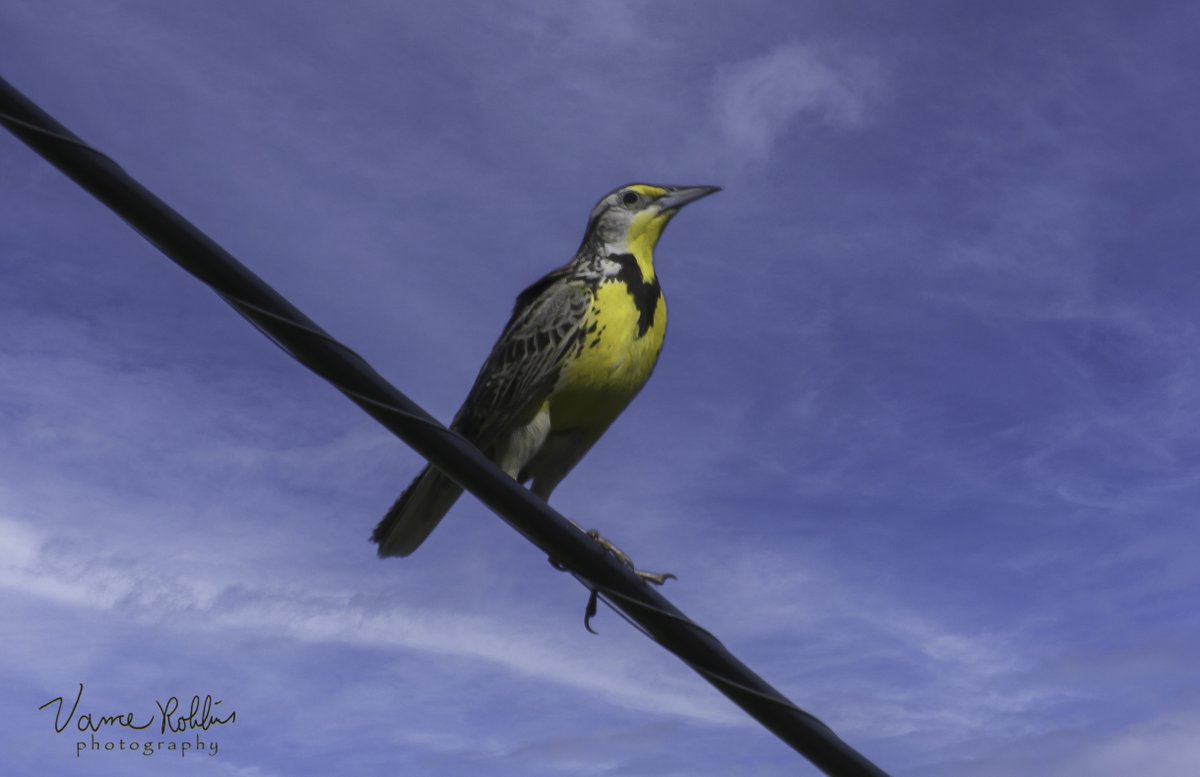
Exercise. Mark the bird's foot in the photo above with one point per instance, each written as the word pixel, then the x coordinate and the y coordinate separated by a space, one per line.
pixel 623 557
pixel 650 577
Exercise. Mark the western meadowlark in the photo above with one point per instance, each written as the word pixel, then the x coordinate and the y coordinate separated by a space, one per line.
pixel 580 344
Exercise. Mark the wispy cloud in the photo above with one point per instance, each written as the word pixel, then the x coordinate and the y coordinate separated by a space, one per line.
pixel 32 567
pixel 1163 747
pixel 757 101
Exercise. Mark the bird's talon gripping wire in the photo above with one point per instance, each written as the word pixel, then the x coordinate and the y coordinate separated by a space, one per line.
pixel 619 554
pixel 650 577
pixel 593 599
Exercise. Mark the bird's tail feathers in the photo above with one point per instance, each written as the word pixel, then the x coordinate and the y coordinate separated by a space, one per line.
pixel 415 513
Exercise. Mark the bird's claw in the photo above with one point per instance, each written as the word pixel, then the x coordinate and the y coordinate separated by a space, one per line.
pixel 593 600
pixel 658 578
pixel 650 577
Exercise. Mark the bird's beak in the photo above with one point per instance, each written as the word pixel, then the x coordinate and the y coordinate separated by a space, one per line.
pixel 679 196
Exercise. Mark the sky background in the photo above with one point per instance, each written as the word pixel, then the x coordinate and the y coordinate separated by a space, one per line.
pixel 922 446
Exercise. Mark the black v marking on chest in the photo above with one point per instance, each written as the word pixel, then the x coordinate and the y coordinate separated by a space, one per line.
pixel 646 295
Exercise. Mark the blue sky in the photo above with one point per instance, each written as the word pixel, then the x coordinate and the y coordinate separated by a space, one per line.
pixel 921 447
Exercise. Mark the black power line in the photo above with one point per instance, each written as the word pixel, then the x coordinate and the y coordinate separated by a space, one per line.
pixel 541 524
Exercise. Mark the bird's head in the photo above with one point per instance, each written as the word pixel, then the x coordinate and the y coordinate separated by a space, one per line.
pixel 631 218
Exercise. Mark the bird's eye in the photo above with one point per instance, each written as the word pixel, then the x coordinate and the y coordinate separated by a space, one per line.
pixel 629 198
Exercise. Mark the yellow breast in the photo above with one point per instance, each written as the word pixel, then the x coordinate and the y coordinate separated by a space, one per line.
pixel 622 339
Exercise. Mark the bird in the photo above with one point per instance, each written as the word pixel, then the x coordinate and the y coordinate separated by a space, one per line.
pixel 578 347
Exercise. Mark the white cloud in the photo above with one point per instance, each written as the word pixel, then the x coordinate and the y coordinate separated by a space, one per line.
pixel 235 770
pixel 758 100
pixel 1162 748
pixel 32 566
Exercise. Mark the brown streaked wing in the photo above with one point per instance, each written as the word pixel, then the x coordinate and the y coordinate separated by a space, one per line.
pixel 524 363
